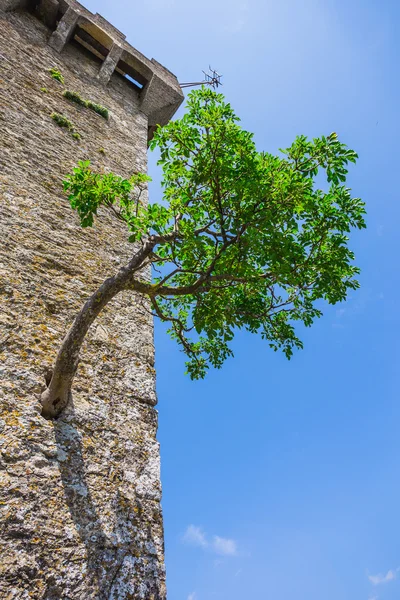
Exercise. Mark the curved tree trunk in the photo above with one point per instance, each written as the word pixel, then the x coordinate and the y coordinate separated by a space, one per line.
pixel 56 397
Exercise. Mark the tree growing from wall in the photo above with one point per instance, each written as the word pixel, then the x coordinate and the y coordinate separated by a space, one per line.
pixel 242 239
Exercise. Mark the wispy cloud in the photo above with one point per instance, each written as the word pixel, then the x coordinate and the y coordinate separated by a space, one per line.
pixel 379 579
pixel 195 536
pixel 192 596
pixel 224 546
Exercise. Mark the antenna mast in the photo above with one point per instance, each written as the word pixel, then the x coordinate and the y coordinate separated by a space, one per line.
pixel 211 77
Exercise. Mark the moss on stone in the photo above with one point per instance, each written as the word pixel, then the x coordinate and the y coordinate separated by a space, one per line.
pixel 62 121
pixel 98 108
pixel 55 74
pixel 74 97
pixel 77 98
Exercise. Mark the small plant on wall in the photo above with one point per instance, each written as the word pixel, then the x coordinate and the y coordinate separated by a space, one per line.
pixel 63 121
pixel 97 108
pixel 56 74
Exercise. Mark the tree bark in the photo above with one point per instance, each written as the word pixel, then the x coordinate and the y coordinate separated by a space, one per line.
pixel 57 395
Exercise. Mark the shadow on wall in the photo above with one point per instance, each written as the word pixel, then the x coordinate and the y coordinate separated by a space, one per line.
pixel 105 554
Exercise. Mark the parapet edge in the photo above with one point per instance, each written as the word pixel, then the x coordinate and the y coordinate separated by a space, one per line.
pixel 158 89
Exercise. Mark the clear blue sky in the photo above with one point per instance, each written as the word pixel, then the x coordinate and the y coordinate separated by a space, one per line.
pixel 282 479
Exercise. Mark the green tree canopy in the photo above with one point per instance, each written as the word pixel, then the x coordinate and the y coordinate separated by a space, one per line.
pixel 241 239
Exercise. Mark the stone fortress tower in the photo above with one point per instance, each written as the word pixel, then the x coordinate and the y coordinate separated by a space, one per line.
pixel 79 496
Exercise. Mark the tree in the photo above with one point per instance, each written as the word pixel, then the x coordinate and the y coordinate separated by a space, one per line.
pixel 242 239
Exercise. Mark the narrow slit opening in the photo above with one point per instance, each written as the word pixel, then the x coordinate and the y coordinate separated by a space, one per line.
pixel 133 80
pixel 130 75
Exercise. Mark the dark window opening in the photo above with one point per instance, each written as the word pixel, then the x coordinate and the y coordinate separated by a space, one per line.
pixel 47 12
pixel 31 5
pixel 131 75
pixel 86 51
pixel 132 80
pixel 87 41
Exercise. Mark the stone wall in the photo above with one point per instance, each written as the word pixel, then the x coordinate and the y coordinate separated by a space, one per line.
pixel 80 496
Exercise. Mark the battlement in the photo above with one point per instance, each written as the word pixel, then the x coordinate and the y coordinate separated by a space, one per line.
pixel 159 92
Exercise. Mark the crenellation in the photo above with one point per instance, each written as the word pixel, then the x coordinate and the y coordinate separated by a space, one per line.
pixel 161 93
pixel 110 63
pixel 104 24
pixel 65 30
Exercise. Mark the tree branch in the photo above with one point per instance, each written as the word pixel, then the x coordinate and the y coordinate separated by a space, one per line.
pixel 56 396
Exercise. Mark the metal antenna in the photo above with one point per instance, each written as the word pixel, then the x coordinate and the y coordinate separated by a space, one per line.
pixel 211 77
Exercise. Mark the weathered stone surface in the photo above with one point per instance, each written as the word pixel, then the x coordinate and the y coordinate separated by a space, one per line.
pixel 65 30
pixel 108 66
pixel 79 497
